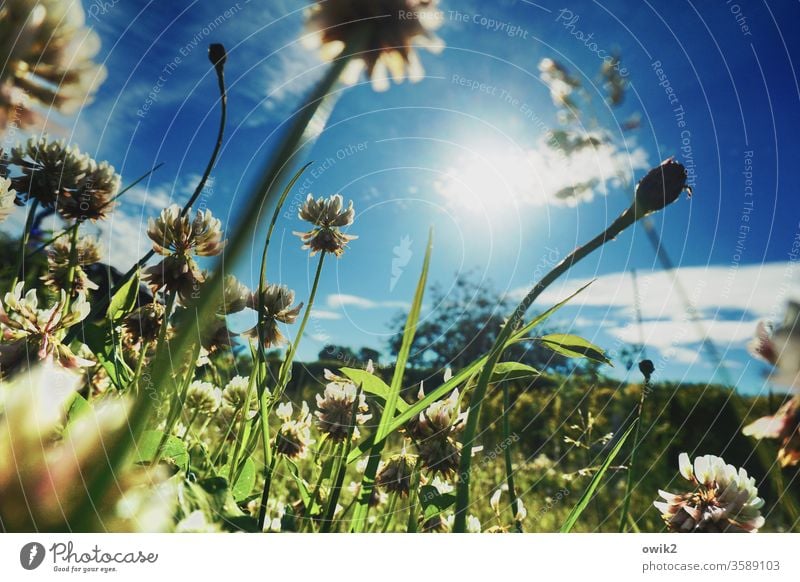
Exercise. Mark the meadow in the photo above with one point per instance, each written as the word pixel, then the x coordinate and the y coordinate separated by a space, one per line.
pixel 129 403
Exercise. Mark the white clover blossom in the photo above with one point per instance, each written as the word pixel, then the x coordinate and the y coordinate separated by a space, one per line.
pixel 24 326
pixel 723 499
pixel 7 197
pixel 391 30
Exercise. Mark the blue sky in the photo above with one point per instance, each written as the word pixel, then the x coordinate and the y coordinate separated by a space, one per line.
pixel 463 151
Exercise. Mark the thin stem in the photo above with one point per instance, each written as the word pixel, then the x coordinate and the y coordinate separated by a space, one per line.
pixel 286 368
pixel 233 465
pixel 390 513
pixel 23 243
pixel 512 492
pixel 101 304
pixel 631 466
pixel 413 496
pixel 73 265
pixel 341 467
pixel 262 510
pixel 264 193
pixel 626 219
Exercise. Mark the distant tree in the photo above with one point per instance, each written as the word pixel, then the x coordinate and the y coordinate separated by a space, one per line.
pixel 341 353
pixel 462 324
pixel 366 354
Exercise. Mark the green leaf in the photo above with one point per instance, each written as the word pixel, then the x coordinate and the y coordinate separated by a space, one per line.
pixel 573 516
pixel 99 339
pixel 508 371
pixel 247 480
pixel 361 511
pixel 573 346
pixel 174 449
pixel 124 300
pixel 445 389
pixel 371 384
pixel 302 486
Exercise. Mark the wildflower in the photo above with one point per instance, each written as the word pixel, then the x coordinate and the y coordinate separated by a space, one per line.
pixel 327 216
pixel 276 301
pixel 494 500
pixel 235 296
pixel 661 186
pixel 59 258
pixel 520 513
pixel 144 323
pixel 436 431
pixel 25 328
pixel 781 348
pixel 473 524
pixel 43 469
pixel 560 83
pixel 722 500
pixel 613 81
pixel 92 198
pixel 376 498
pixel 785 426
pixel 294 434
pixel 238 396
pixel 202 398
pixel 7 197
pixel 335 413
pixel 47 60
pixel 178 239
pixel 392 29
pixel 395 475
pixel 61 177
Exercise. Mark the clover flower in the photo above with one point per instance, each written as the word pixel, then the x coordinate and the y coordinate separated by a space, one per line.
pixel 294 434
pixel 435 432
pixel 25 328
pixel 722 499
pixel 61 177
pixel 47 60
pixel 202 398
pixel 327 216
pixel 93 197
pixel 58 264
pixel 784 425
pixel 178 239
pixel 47 456
pixel 661 186
pixel 391 29
pixel 276 302
pixel 335 414
pixel 236 393
pixel 7 197
pixel 395 475
pixel 144 323
pixel 235 296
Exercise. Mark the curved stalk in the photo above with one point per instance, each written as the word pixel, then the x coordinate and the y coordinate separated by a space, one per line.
pixel 626 219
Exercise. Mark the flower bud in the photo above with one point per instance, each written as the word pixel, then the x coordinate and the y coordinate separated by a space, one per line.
pixel 661 186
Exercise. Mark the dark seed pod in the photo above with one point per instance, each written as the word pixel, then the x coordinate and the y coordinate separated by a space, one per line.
pixel 661 186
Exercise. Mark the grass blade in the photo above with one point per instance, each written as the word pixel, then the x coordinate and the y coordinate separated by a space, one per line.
pixel 392 398
pixel 573 516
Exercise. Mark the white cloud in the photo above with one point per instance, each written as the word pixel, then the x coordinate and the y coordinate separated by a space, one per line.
pixel 538 176
pixel 324 314
pixel 343 300
pixel 760 291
